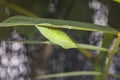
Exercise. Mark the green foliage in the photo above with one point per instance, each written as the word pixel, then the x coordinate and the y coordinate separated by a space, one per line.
pixel 54 23
pixel 50 28
pixel 101 57
pixel 118 1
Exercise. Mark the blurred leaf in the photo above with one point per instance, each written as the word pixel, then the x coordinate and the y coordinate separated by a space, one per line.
pixel 29 21
pixel 118 1
pixel 17 8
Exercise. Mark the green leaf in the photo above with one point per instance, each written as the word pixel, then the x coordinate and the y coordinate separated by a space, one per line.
pixel 58 37
pixel 54 23
pixel 67 74
pixel 91 47
pixel 118 1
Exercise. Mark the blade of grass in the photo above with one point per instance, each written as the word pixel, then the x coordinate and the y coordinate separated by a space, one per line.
pixel 101 57
pixel 67 74
pixel 111 55
pixel 54 23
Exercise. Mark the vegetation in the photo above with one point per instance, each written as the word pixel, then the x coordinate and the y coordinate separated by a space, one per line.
pixel 52 29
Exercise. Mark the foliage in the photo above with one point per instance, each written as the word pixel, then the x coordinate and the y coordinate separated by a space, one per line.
pixel 117 1
pixel 52 30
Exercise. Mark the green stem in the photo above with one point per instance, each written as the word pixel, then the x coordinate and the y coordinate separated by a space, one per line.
pixel 16 8
pixel 101 57
pixel 67 74
pixel 110 57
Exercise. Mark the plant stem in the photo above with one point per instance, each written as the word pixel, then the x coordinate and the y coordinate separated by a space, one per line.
pixel 110 57
pixel 17 8
pixel 67 74
pixel 99 62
